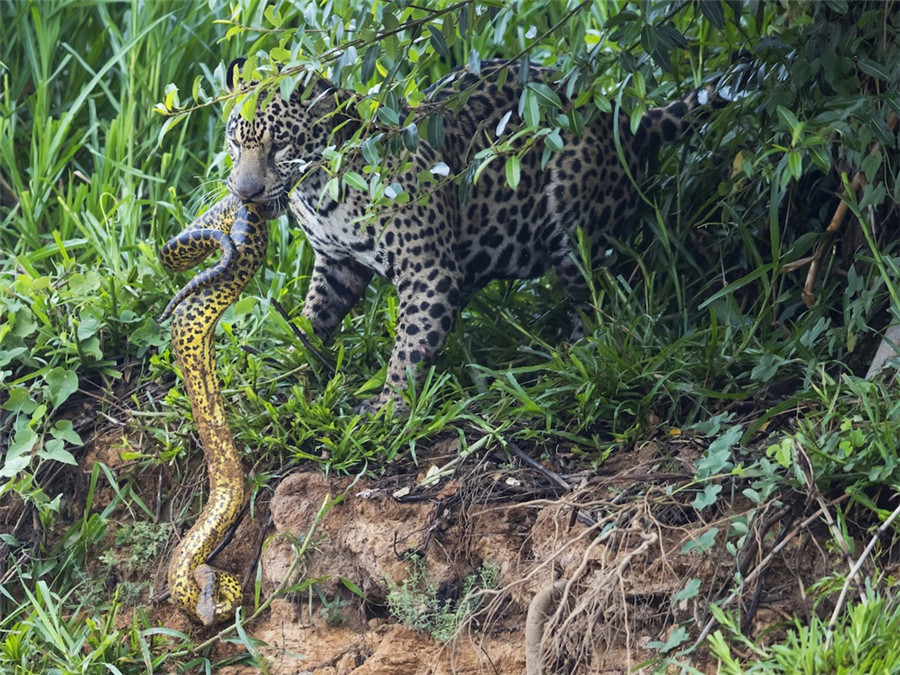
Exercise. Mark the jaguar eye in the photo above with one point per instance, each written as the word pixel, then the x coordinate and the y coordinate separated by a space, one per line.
pixel 280 146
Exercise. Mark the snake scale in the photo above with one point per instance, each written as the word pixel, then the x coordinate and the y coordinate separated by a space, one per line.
pixel 206 594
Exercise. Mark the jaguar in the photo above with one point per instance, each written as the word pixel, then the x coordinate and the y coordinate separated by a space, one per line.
pixel 438 249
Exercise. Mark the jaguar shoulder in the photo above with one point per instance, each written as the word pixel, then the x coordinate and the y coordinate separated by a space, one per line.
pixel 439 253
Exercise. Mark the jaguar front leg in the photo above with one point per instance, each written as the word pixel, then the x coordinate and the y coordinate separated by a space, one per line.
pixel 335 286
pixel 427 309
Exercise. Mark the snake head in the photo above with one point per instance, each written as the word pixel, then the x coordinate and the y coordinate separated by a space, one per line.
pixel 220 595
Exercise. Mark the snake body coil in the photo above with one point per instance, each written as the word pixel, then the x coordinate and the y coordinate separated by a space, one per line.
pixel 204 593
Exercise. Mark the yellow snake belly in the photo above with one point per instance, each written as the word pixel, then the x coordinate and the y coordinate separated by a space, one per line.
pixel 206 594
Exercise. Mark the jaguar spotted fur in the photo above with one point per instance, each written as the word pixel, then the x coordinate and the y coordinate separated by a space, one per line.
pixel 439 253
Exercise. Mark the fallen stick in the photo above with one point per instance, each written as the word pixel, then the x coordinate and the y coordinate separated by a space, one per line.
pixel 829 632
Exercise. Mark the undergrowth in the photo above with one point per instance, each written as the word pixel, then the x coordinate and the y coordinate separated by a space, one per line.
pixel 698 327
pixel 417 600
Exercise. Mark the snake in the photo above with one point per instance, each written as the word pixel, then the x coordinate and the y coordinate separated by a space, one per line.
pixel 206 594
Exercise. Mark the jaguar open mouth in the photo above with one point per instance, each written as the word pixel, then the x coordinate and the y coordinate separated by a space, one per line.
pixel 270 207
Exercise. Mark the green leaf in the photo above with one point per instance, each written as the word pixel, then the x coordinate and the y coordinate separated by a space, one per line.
pixel 333 188
pixel 576 122
pixel 388 115
pixel 88 326
pixel 354 180
pixel 554 141
pixel 626 16
pixel 670 37
pixel 352 587
pixel 435 131
pixel 280 54
pixel 61 384
pixel 603 103
pixel 368 64
pixel 19 401
pixel 717 457
pixel 648 38
pixel 707 497
pixel 712 10
pixel 370 151
pixel 439 43
pixel 676 638
pixel 411 137
pixel 795 164
pixel 513 171
pixel 546 96
pixel 273 16
pixel 9 540
pixel 244 305
pixel 702 543
pixel 54 450
pixel 782 452
pixel 463 21
pixel 248 106
pixel 372 385
pixel 766 368
pixel 690 590
pixel 64 431
pixel 875 69
pixel 195 88
pixel 502 75
pixel 820 157
pixel 528 108
pixel 18 454
pixel 792 123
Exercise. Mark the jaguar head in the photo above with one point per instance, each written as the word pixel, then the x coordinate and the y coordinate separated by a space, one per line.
pixel 273 151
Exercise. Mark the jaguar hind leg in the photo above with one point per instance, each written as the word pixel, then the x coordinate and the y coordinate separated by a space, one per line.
pixel 427 310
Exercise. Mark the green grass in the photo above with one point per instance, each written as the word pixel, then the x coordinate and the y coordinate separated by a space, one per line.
pixel 863 641
pixel 695 328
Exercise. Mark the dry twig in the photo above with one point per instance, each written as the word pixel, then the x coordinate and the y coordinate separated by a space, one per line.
pixel 302 337
pixel 857 184
pixel 813 491
pixel 854 571
pixel 763 565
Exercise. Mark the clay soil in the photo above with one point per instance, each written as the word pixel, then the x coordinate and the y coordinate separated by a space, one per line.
pixel 620 543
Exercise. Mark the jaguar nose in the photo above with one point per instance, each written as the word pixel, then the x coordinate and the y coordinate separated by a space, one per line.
pixel 246 188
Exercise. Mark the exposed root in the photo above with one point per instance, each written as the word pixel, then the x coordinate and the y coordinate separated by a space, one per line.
pixel 542 608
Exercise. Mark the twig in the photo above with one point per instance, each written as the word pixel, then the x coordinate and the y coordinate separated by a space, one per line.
pixel 750 612
pixel 550 475
pixel 837 221
pixel 260 542
pixel 15 567
pixel 229 533
pixel 566 627
pixel 762 566
pixel 854 571
pixel 302 337
pixel 808 477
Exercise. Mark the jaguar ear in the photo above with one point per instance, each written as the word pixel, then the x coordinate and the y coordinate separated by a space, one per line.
pixel 233 68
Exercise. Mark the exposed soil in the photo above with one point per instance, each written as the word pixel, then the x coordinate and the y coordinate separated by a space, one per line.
pixel 614 544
